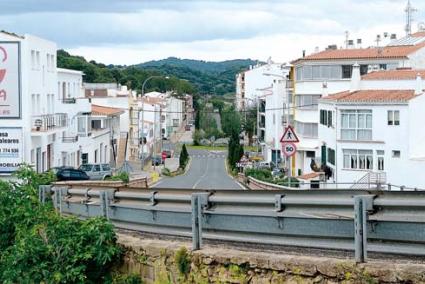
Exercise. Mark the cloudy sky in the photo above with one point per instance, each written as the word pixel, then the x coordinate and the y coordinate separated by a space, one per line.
pixel 133 31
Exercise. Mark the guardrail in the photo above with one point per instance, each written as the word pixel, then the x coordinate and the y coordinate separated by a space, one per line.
pixel 350 220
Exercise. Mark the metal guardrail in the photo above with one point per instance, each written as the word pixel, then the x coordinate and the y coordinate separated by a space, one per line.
pixel 351 220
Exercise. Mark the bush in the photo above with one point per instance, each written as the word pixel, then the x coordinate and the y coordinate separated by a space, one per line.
pixel 182 261
pixel 38 245
pixel 122 176
pixel 184 157
pixel 166 172
pixel 260 174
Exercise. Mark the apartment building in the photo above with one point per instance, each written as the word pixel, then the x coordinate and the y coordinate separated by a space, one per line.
pixel 45 120
pixel 330 71
pixel 250 83
pixel 373 131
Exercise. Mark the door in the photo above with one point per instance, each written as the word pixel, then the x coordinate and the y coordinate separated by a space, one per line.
pixel 84 158
pixel 38 160
pixel 49 156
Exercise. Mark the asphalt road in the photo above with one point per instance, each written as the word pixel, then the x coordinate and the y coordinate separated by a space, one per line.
pixel 207 171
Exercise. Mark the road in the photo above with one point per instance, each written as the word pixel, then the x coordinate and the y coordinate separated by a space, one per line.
pixel 207 171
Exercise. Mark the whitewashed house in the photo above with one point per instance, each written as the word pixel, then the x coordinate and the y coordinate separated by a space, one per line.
pixel 330 71
pixel 373 132
pixel 250 83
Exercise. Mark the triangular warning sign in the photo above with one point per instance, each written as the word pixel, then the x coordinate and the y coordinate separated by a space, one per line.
pixel 289 136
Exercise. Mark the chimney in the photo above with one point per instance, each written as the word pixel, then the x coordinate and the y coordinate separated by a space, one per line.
pixel 418 87
pixel 359 43
pixel 316 49
pixel 355 78
pixel 393 36
pixel 303 53
pixel 350 44
pixel 325 91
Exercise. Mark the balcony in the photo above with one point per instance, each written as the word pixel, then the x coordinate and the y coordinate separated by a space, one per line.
pixel 49 122
pixel 70 139
pixel 69 100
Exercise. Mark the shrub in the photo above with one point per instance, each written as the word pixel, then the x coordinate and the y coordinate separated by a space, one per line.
pixel 121 176
pixel 166 172
pixel 184 157
pixel 38 245
pixel 182 261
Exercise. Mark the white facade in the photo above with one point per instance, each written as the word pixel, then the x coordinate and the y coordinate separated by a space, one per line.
pixel 250 83
pixel 372 136
pixel 318 76
pixel 54 127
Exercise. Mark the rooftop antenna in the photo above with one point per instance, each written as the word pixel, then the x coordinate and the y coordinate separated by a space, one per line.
pixel 378 40
pixel 409 18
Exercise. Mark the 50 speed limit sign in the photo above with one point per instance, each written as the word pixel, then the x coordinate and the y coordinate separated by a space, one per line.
pixel 289 149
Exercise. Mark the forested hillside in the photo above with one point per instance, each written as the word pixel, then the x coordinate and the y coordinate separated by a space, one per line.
pixel 186 76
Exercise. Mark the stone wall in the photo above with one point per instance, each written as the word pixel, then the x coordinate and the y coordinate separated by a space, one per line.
pixel 162 262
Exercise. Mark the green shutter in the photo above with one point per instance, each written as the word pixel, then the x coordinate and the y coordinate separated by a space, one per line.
pixel 323 155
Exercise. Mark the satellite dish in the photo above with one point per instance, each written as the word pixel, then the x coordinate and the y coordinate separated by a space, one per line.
pixel 421 26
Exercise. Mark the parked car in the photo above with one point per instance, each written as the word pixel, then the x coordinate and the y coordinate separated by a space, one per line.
pixel 265 165
pixel 97 171
pixel 167 153
pixel 55 170
pixel 156 160
pixel 71 174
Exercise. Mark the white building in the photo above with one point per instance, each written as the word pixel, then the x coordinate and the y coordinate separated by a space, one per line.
pixel 250 83
pixel 45 120
pixel 330 71
pixel 374 130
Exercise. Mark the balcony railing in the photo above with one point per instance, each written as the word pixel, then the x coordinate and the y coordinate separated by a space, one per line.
pixel 49 122
pixel 69 100
pixel 70 139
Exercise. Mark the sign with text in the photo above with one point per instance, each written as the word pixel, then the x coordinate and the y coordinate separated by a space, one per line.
pixel 11 149
pixel 289 149
pixel 10 80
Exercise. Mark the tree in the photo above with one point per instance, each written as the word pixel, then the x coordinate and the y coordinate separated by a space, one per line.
pixel 230 121
pixel 235 149
pixel 184 157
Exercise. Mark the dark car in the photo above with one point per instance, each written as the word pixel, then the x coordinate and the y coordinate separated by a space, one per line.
pixel 156 160
pixel 55 170
pixel 71 174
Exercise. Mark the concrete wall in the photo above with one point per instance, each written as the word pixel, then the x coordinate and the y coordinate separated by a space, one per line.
pixel 158 261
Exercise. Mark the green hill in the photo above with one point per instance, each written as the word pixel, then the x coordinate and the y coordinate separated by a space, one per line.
pixel 186 75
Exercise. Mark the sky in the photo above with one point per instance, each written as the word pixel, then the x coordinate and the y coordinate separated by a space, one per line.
pixel 134 31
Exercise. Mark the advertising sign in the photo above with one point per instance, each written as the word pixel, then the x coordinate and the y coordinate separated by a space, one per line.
pixel 11 149
pixel 10 80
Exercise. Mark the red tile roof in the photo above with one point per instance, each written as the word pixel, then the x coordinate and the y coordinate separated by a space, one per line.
pixel 102 110
pixel 372 96
pixel 388 52
pixel 310 175
pixel 399 74
pixel 419 34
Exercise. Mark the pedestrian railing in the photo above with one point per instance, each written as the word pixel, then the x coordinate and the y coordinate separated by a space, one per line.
pixel 350 220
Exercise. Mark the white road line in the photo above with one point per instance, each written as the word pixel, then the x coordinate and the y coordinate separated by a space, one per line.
pixel 199 180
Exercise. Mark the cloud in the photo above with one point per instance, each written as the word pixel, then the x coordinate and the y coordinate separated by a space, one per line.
pixel 209 28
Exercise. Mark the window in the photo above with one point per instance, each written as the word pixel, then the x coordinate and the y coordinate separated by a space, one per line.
pixel 33 59
pixel 96 168
pixel 364 69
pixel 356 125
pixel 393 117
pixel 380 155
pixel 358 159
pixel 307 130
pixel 96 124
pixel 331 156
pixel 396 154
pixel 37 59
pixel 347 70
pixel 382 66
pixel 307 101
pixel 310 154
pixel 307 72
pixel 326 118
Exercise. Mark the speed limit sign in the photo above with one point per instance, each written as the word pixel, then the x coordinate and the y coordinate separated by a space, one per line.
pixel 289 149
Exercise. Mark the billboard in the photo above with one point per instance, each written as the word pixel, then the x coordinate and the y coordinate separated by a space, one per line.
pixel 11 149
pixel 10 79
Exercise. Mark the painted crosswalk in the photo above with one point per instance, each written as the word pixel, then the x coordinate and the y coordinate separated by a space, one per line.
pixel 213 156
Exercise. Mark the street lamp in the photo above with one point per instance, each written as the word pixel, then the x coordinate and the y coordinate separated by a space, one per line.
pixel 143 116
pixel 285 108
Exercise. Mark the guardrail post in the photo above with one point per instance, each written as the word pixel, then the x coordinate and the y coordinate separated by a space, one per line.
pixel 43 190
pixel 103 203
pixel 362 204
pixel 202 205
pixel 196 244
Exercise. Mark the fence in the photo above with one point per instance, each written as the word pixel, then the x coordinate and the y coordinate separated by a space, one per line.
pixel 350 220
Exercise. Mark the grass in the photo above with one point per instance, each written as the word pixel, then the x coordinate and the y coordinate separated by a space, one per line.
pixel 210 148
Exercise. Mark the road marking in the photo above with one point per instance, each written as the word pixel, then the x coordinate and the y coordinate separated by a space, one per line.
pixel 199 180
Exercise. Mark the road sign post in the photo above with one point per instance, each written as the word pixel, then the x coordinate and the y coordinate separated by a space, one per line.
pixel 288 148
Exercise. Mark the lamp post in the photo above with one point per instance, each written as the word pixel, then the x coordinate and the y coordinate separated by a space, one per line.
pixel 143 116
pixel 288 117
